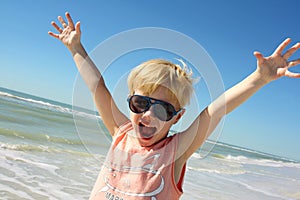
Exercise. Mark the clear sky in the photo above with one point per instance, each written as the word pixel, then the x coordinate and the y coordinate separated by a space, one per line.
pixel 35 63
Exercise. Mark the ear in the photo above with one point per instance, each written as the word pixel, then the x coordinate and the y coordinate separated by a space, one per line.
pixel 179 115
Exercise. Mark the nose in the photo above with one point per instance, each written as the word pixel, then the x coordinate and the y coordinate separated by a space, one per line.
pixel 147 117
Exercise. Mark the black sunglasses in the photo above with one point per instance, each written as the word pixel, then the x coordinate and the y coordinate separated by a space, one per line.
pixel 162 110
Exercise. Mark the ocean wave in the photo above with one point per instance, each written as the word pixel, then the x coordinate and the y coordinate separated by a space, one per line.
pixel 33 101
pixel 41 148
pixel 229 171
pixel 245 151
pixel 54 106
pixel 244 160
pixel 38 137
pixel 260 162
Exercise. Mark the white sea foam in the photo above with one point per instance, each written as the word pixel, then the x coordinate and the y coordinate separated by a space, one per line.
pixel 262 162
pixel 43 176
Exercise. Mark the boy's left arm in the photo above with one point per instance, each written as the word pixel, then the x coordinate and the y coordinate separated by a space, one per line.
pixel 268 69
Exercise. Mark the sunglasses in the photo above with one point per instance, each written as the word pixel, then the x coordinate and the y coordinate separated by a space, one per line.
pixel 161 109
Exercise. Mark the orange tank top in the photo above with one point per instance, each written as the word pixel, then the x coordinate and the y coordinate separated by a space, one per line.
pixel 134 172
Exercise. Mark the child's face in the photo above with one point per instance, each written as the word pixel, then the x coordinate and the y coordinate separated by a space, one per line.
pixel 148 128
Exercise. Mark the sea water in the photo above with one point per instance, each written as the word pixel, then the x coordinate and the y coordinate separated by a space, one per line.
pixel 42 156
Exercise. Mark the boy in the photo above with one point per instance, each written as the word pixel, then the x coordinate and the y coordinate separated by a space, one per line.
pixel 143 162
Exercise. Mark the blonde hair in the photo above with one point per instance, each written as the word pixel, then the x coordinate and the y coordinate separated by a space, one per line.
pixel 151 74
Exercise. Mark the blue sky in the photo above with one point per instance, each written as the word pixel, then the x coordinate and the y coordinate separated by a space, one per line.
pixel 34 63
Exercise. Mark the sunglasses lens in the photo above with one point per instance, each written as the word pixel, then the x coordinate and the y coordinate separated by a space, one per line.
pixel 138 104
pixel 161 112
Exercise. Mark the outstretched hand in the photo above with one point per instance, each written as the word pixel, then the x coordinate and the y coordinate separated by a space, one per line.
pixel 277 65
pixel 67 33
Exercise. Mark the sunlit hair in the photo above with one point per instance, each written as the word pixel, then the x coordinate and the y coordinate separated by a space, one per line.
pixel 151 74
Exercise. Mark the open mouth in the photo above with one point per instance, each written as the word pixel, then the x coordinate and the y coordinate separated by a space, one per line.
pixel 146 132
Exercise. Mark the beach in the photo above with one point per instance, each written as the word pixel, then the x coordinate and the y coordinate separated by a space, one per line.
pixel 44 157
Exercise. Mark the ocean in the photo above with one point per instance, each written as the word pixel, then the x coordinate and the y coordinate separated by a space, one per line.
pixel 44 157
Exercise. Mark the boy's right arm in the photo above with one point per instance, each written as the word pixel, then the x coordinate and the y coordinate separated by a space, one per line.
pixel 112 117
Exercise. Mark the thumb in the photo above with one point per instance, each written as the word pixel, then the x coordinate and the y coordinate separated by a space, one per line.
pixel 258 56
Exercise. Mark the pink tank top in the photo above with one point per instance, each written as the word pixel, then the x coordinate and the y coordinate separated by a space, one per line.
pixel 134 172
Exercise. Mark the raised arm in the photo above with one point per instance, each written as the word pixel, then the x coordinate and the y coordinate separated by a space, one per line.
pixel 70 35
pixel 268 69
